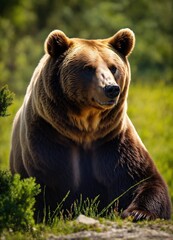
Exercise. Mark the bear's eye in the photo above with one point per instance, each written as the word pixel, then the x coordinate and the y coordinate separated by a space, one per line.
pixel 88 68
pixel 113 69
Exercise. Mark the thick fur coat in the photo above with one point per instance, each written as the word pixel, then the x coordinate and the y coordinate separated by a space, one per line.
pixel 72 132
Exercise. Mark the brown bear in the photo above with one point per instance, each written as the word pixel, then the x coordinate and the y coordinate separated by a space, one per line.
pixel 72 132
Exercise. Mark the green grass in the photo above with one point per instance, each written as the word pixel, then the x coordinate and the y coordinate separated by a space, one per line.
pixel 5 133
pixel 151 111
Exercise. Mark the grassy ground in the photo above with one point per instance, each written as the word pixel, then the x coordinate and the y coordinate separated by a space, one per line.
pixel 103 229
pixel 151 110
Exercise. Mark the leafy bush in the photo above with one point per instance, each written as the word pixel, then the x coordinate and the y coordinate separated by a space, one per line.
pixel 6 99
pixel 17 199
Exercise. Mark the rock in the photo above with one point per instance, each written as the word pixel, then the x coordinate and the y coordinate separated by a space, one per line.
pixel 86 220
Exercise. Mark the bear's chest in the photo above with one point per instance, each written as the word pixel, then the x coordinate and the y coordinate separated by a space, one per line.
pixel 84 179
pixel 89 166
pixel 95 173
pixel 81 166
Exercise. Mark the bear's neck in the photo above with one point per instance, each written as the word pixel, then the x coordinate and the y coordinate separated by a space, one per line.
pixel 93 125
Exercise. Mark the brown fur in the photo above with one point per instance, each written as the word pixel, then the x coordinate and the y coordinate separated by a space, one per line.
pixel 73 133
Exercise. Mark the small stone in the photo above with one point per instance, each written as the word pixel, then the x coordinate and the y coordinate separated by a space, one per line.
pixel 86 220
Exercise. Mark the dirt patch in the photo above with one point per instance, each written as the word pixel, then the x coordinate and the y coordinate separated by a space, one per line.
pixel 108 230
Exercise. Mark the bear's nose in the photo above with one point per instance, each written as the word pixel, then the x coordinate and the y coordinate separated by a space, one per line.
pixel 112 91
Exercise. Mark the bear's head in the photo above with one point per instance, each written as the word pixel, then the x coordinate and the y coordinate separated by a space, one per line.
pixel 88 80
pixel 93 73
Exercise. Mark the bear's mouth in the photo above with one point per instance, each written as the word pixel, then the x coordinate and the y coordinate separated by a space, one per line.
pixel 109 103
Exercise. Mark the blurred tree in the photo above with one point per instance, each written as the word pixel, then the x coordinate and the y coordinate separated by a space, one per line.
pixel 5 5
pixel 24 26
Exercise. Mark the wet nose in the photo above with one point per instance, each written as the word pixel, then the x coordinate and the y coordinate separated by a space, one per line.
pixel 112 91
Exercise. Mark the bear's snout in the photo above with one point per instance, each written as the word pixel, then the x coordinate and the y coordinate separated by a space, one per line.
pixel 112 91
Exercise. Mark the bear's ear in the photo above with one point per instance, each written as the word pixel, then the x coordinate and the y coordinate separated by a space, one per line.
pixel 56 43
pixel 123 41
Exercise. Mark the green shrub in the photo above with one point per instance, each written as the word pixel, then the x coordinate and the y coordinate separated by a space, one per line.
pixel 17 199
pixel 6 99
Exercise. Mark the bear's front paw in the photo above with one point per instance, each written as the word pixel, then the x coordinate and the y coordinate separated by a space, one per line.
pixel 138 215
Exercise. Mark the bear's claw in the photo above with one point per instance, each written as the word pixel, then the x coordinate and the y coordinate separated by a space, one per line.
pixel 138 215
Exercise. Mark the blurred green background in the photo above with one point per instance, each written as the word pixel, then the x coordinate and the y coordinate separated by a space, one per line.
pixel 24 25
